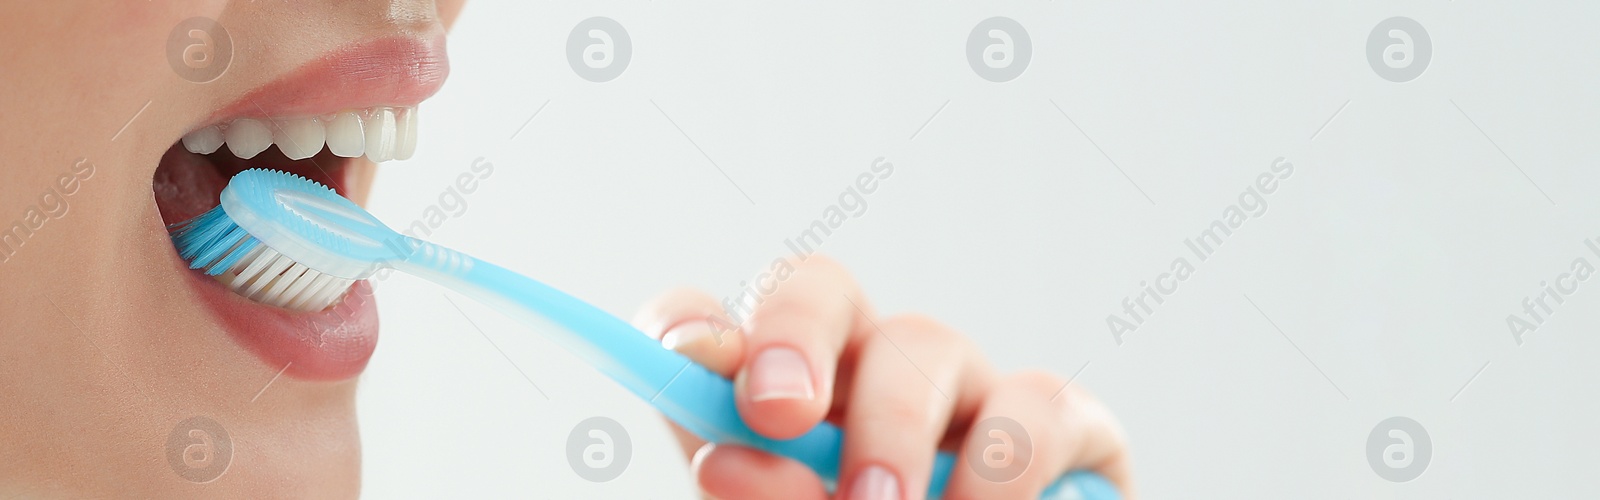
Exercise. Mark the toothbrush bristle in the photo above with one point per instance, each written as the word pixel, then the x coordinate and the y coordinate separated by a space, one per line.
pixel 214 244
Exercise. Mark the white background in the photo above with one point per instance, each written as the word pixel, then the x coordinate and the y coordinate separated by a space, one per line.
pixel 1390 258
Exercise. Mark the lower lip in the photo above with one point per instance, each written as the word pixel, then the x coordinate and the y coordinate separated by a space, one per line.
pixel 332 344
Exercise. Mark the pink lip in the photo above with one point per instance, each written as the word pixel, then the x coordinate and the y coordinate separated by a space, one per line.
pixel 336 343
pixel 333 344
pixel 396 71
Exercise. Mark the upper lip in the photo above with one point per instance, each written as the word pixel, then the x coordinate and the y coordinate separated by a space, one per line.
pixel 394 71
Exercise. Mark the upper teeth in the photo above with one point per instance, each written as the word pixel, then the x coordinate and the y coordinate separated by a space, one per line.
pixel 382 133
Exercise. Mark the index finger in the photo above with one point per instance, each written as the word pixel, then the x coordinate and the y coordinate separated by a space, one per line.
pixel 803 319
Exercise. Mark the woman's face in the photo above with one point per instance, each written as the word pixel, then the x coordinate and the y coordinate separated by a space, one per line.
pixel 122 372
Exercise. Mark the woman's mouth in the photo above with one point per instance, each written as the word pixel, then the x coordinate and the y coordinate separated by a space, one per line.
pixel 330 121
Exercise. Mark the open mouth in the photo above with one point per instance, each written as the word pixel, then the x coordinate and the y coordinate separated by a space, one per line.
pixel 332 343
pixel 329 121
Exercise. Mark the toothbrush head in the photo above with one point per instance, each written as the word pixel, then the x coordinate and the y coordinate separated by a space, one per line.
pixel 283 240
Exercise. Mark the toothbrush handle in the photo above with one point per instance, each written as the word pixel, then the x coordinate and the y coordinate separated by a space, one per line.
pixel 697 399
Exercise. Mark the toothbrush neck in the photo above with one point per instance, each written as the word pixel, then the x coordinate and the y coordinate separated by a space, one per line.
pixel 433 258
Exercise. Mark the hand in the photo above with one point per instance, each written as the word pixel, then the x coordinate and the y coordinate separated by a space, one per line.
pixel 901 387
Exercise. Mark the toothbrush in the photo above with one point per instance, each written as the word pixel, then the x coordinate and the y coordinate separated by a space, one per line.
pixel 286 241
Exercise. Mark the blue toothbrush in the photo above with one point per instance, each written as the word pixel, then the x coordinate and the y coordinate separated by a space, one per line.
pixel 283 240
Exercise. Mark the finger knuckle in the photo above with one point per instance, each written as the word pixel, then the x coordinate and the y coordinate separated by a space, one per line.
pixel 921 328
pixel 915 411
pixel 913 321
pixel 783 315
pixel 1037 382
pixel 817 273
pixel 819 263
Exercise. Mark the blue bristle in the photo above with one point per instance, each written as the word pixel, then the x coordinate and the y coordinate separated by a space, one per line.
pixel 233 257
pixel 211 242
pixel 212 248
pixel 214 240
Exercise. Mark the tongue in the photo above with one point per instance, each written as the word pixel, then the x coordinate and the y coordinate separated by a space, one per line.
pixel 186 185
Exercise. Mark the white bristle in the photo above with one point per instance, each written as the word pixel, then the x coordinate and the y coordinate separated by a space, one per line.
pixel 270 273
pixel 332 292
pixel 250 268
pixel 286 289
pixel 304 296
pixel 268 277
pixel 273 292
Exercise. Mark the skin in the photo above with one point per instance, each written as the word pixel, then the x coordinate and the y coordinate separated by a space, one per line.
pixel 102 348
